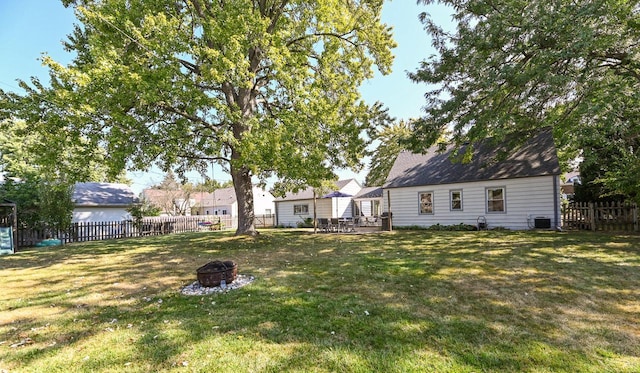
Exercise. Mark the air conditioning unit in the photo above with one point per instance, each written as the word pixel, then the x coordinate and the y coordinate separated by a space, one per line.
pixel 541 222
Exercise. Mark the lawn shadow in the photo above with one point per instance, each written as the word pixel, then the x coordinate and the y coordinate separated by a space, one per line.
pixel 449 301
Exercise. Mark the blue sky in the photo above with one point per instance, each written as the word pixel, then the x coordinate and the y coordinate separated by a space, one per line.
pixel 30 27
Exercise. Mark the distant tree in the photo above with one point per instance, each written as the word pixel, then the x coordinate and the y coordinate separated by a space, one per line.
pixel 40 178
pixel 512 67
pixel 169 182
pixel 41 203
pixel 392 140
pixel 42 195
pixel 143 209
pixel 265 88
pixel 210 185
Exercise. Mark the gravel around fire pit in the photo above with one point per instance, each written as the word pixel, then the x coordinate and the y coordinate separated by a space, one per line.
pixel 196 289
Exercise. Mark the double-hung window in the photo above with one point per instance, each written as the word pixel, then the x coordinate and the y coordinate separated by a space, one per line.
pixel 496 200
pixel 301 209
pixel 456 200
pixel 426 202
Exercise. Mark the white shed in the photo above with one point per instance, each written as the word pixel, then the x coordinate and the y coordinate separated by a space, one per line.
pixel 102 202
pixel 296 207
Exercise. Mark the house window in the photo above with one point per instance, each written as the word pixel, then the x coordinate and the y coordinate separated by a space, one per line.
pixel 456 200
pixel 496 200
pixel 301 209
pixel 426 202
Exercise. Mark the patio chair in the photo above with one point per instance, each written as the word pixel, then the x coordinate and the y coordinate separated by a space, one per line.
pixel 356 221
pixel 334 225
pixel 323 224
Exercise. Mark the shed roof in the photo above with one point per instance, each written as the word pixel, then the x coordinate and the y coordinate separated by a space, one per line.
pixel 536 157
pixel 103 194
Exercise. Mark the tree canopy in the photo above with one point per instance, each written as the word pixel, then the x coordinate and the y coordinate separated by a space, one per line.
pixel 392 138
pixel 263 87
pixel 41 189
pixel 512 66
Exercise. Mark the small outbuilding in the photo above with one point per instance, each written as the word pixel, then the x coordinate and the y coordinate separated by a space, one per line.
pixel 294 208
pixel 102 202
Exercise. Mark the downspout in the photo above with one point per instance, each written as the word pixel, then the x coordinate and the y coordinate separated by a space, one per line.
pixel 556 202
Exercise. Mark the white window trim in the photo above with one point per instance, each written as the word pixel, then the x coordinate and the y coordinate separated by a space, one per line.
pixel 432 203
pixel 504 199
pixel 306 207
pixel 451 200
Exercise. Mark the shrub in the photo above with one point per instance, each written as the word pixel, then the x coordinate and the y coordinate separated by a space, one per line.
pixel 306 223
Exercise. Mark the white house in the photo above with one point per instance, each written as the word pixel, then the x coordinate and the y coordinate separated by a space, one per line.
pixel 296 207
pixel 102 202
pixel 520 191
pixel 170 202
pixel 223 201
pixel 568 187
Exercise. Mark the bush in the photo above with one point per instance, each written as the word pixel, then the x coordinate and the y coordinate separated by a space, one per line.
pixel 439 227
pixel 307 223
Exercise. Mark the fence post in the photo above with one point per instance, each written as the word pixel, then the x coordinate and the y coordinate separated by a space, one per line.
pixel 592 216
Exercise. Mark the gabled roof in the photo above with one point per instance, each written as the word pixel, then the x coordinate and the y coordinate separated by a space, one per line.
pixel 308 193
pixel 536 157
pixel 222 196
pixel 369 193
pixel 103 194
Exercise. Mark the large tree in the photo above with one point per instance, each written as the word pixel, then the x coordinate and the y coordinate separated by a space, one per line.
pixel 263 87
pixel 510 67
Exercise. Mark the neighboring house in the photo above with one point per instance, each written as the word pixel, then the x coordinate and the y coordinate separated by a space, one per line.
pixel 102 202
pixel 296 207
pixel 223 201
pixel 519 192
pixel 571 179
pixel 170 202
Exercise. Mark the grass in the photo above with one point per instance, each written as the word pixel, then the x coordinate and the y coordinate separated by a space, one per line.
pixel 400 302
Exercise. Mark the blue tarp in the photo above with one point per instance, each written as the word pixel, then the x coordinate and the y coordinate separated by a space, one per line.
pixel 49 242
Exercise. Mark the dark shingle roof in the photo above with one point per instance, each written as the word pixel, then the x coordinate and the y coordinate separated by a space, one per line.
pixel 369 193
pixel 536 157
pixel 103 194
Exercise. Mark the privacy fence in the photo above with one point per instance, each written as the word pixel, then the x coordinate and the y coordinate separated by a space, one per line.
pixel 600 216
pixel 151 226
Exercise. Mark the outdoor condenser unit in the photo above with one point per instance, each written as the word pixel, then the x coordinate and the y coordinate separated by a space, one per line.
pixel 541 222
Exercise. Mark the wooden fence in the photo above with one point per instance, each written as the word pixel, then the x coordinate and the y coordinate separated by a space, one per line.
pixel 265 221
pixel 600 216
pixel 151 226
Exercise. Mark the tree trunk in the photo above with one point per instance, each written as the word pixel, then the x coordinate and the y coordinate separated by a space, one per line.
pixel 244 196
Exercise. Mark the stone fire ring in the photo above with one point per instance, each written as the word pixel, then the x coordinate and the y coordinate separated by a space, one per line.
pixel 211 275
pixel 196 289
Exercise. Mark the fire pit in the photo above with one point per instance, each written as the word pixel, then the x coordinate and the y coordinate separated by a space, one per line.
pixel 212 273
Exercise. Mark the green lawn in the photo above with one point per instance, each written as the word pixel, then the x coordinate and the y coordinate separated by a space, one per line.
pixel 407 301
